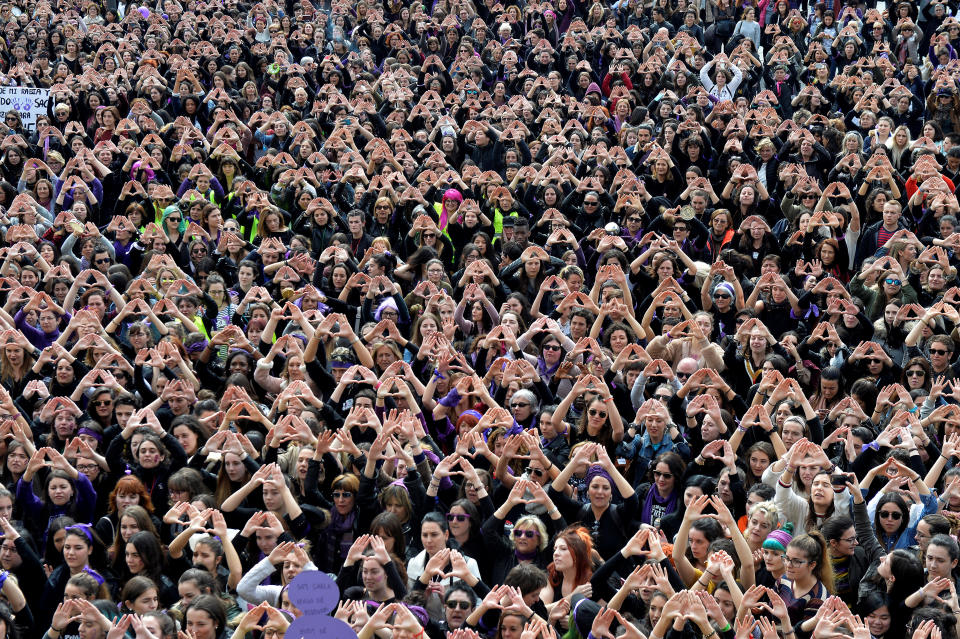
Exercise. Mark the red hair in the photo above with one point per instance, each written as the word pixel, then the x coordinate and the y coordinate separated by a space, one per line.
pixel 580 544
pixel 130 484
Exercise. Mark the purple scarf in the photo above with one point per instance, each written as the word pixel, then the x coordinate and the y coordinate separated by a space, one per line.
pixel 668 504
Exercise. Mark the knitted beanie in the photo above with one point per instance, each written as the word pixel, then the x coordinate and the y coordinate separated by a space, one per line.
pixel 779 538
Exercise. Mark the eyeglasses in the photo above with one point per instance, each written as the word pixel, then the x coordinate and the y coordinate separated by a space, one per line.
pixel 461 517
pixel 103 260
pixel 529 534
pixel 551 347
pixel 895 515
pixel 597 413
pixel 851 540
pixel 462 605
pixel 915 373
pixel 87 468
pixel 273 632
pixel 938 351
pixel 793 561
pixel 342 494
pixel 519 404
pixel 892 281
pixel 657 473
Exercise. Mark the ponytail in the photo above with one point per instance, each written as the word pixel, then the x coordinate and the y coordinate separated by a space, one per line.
pixel 814 546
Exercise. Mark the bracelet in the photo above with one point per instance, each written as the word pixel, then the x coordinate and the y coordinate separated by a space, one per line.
pixel 712 632
pixel 608 399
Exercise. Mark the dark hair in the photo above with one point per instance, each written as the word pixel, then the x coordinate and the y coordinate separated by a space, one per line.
pixel 434 517
pixel 765 491
pixel 151 553
pixel 901 505
pixel 674 462
pixel 206 584
pixel 834 527
pixel 167 625
pixel 390 524
pixel 527 577
pixel 814 546
pixel 187 479
pixel 135 587
pixel 461 586
pixel 211 605
pixel 51 555
pixel 939 525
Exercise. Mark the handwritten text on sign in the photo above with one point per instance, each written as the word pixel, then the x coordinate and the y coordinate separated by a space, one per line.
pixel 29 102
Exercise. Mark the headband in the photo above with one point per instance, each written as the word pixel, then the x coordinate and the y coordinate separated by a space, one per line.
pixel 399 482
pixel 90 432
pixel 84 529
pixel 93 573
pixel 197 347
pixel 598 471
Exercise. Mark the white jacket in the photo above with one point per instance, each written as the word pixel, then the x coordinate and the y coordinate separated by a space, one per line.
pixel 794 508
pixel 253 593
pixel 416 565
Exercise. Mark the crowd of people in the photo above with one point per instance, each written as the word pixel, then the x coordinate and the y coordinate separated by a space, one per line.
pixel 549 319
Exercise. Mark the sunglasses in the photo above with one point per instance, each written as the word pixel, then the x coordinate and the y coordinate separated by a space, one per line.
pixel 658 474
pixel 938 351
pixel 462 605
pixel 429 235
pixel 551 347
pixel 519 405
pixel 453 517
pixel 597 413
pixel 683 375
pixel 342 494
pixel 529 534
pixel 721 296
pixel 536 472
pixel 892 281
pixel 915 373
pixel 590 203
pixel 103 260
pixel 105 402
pixel 636 220
pixel 895 515
pixel 663 398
